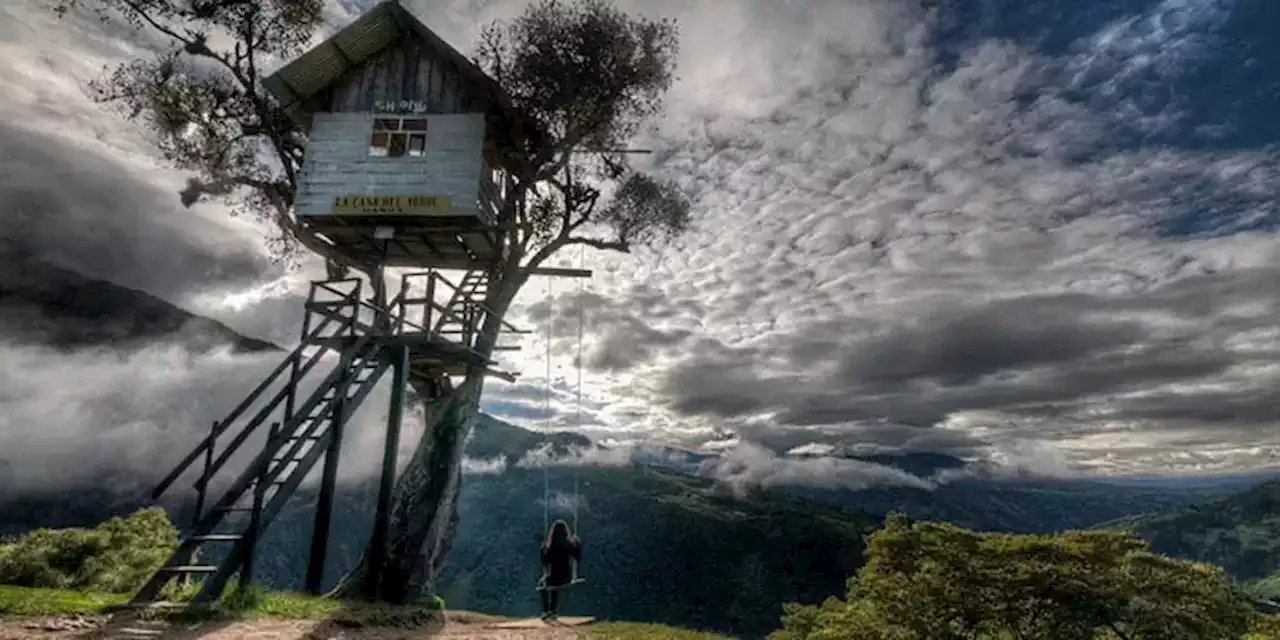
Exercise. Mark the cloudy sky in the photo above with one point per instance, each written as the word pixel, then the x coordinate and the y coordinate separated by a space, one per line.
pixel 993 228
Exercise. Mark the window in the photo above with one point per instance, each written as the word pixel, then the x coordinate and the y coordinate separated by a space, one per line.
pixel 397 137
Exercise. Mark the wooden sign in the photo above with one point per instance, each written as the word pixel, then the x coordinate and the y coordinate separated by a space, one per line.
pixel 392 205
pixel 400 106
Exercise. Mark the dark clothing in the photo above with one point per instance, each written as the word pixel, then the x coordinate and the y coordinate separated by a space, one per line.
pixel 550 598
pixel 557 562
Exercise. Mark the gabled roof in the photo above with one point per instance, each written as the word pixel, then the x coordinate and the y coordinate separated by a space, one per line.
pixel 362 39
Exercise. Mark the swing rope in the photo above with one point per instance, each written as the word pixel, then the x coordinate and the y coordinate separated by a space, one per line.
pixel 577 414
pixel 546 423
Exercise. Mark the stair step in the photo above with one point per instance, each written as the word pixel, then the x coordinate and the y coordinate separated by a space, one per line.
pixel 218 537
pixel 189 568
pixel 233 509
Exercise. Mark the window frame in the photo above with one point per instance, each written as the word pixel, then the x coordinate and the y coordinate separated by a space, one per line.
pixel 395 135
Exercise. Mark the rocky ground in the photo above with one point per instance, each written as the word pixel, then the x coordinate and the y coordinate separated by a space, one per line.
pixel 457 625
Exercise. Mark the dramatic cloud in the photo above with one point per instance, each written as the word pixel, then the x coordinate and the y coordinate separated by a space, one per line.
pixel 749 466
pixel 70 419
pixel 1031 238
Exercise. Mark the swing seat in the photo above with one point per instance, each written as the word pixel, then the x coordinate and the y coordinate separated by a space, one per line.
pixel 543 586
pixel 575 579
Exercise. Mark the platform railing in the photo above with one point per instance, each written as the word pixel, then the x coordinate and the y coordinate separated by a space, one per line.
pixel 283 380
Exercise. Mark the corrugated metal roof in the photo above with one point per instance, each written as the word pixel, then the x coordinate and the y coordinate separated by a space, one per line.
pixel 366 36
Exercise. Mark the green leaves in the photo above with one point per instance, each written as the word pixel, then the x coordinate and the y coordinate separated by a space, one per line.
pixel 587 71
pixel 116 557
pixel 203 99
pixel 590 75
pixel 646 210
pixel 938 581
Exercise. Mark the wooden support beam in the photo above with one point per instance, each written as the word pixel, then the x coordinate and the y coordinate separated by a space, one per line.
pixel 558 272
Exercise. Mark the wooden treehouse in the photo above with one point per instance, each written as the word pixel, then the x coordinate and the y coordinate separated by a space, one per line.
pixel 404 168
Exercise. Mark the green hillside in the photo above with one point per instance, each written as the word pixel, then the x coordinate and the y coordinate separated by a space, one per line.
pixel 658 547
pixel 1240 533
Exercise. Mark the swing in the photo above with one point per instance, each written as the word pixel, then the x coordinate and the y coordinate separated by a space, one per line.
pixel 576 580
pixel 575 577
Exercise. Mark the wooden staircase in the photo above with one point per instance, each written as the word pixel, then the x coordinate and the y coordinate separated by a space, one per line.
pixel 262 488
pixel 425 337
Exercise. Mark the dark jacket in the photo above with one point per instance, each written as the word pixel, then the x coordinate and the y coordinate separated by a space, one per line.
pixel 558 559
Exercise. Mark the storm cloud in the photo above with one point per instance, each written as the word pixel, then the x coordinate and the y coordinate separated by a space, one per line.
pixel 993 229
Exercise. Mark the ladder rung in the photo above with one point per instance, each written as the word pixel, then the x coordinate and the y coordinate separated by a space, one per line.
pixel 189 568
pixel 218 537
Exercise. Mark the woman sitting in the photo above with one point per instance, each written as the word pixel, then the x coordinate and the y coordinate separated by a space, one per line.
pixel 560 554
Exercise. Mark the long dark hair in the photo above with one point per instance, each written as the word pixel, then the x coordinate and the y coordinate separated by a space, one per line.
pixel 559 535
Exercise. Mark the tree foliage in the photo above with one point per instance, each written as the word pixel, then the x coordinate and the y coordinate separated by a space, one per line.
pixel 116 556
pixel 586 72
pixel 939 581
pixel 590 75
pixel 201 97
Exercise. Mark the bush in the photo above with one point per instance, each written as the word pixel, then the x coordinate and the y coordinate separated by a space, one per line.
pixel 115 557
pixel 932 581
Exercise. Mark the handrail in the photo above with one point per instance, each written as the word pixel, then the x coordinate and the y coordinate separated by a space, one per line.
pixel 256 468
pixel 260 417
pixel 265 412
pixel 330 314
pixel 362 390
pixel 235 413
pixel 479 303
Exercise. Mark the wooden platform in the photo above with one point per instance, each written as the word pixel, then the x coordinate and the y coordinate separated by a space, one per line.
pixel 538 623
pixel 423 347
pixel 446 243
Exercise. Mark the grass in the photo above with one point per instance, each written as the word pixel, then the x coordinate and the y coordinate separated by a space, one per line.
pixel 26 601
pixel 23 601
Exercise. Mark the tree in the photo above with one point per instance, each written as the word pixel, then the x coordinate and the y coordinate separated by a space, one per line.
pixel 207 108
pixel 588 73
pixel 931 580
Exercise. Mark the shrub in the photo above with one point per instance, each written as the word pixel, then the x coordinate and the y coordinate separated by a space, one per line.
pixel 114 557
pixel 932 581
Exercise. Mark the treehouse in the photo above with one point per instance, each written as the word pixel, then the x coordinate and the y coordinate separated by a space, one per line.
pixel 410 145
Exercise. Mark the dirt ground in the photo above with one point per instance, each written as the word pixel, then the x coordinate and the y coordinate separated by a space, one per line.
pixel 458 626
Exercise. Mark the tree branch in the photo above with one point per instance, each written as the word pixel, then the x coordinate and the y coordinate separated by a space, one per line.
pixel 619 245
pixel 566 240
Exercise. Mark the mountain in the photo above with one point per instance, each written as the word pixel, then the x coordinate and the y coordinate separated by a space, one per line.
pixel 1018 506
pixel 658 546
pixel 1014 505
pixel 1240 532
pixel 41 303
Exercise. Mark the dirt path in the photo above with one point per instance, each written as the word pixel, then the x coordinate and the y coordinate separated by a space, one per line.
pixel 460 626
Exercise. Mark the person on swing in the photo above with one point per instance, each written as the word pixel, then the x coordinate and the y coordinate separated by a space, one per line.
pixel 560 552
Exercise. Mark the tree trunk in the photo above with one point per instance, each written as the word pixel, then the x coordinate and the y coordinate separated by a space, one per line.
pixel 424 514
